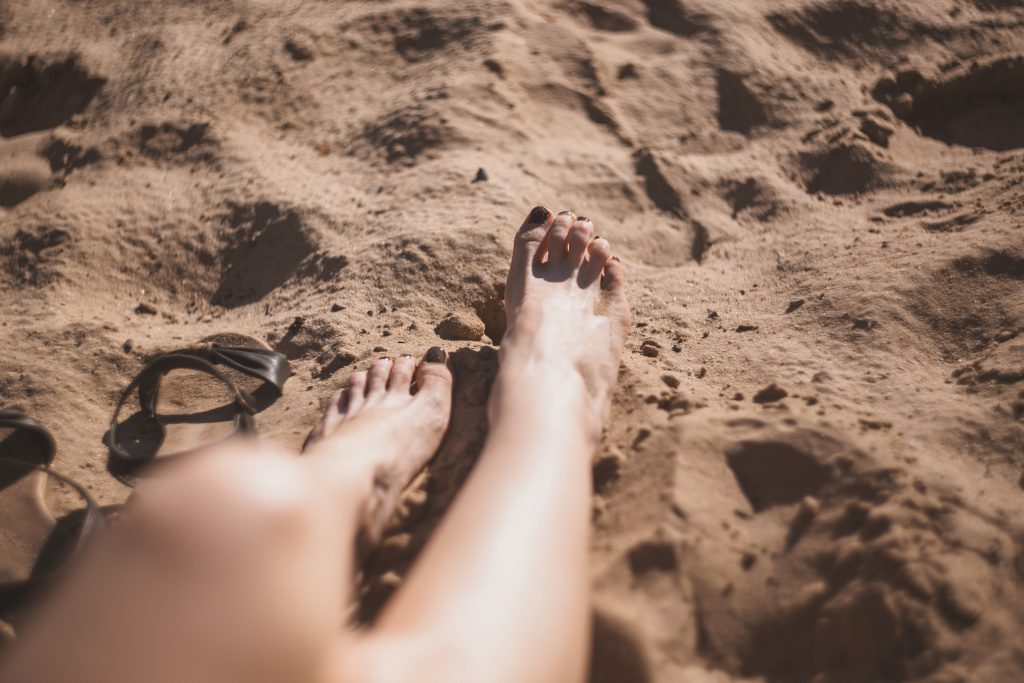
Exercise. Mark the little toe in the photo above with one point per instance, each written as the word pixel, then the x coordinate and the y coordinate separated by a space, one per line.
pixel 355 393
pixel 580 234
pixel 401 374
pixel 557 236
pixel 597 257
pixel 434 379
pixel 614 279
pixel 377 379
pixel 530 237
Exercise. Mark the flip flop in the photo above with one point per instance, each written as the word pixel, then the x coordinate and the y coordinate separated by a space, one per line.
pixel 35 450
pixel 270 367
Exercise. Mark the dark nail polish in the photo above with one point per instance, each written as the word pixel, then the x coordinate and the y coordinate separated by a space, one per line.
pixel 583 218
pixel 597 237
pixel 538 215
pixel 616 258
pixel 406 355
pixel 564 213
pixel 435 354
pixel 385 357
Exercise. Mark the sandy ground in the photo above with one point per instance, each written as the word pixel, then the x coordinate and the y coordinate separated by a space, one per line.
pixel 814 466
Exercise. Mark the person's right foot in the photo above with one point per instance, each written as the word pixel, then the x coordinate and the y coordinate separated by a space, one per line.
pixel 567 313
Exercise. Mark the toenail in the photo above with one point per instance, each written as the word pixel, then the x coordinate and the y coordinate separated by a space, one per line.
pixel 597 237
pixel 616 258
pixel 538 215
pixel 435 354
pixel 564 213
pixel 584 219
pixel 406 355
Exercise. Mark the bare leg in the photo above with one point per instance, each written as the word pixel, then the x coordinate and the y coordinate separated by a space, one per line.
pixel 500 593
pixel 237 565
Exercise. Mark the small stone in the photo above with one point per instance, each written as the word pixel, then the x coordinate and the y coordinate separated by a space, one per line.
pixel 794 304
pixel 298 51
pixel 770 394
pixel 460 327
pixel 702 372
pixel 337 307
pixel 606 470
pixel 145 309
pixel 481 176
pixel 748 560
pixel 671 381
pixel 628 70
pixel 650 348
pixel 677 348
pixel 379 349
pixel 487 353
pixel 128 345
pixel 747 328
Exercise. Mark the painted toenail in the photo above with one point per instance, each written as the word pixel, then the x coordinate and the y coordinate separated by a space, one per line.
pixel 584 219
pixel 435 354
pixel 616 258
pixel 564 213
pixel 597 237
pixel 406 355
pixel 538 215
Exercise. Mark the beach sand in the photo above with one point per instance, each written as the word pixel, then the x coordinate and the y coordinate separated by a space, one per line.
pixel 813 469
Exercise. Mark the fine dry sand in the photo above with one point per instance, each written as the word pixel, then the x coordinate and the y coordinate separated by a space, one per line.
pixel 813 468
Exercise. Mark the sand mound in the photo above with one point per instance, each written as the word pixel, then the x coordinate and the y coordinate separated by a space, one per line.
pixel 813 470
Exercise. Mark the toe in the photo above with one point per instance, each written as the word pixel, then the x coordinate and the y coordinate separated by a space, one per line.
pixel 355 393
pixel 377 379
pixel 530 237
pixel 434 379
pixel 580 234
pixel 597 257
pixel 557 236
pixel 401 374
pixel 614 279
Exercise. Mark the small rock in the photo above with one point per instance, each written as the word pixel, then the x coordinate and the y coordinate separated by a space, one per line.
pixel 298 51
pixel 770 394
pixel 671 380
pixel 481 176
pixel 145 309
pixel 628 70
pixel 748 560
pixel 712 315
pixel 863 324
pixel 650 348
pixel 702 372
pixel 460 327
pixel 487 353
pixel 607 469
pixel 794 304
pixel 747 328
pixel 128 345
pixel 379 349
pixel 336 307
pixel 677 348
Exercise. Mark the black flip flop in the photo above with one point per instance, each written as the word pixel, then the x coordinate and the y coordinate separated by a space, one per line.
pixel 36 454
pixel 260 363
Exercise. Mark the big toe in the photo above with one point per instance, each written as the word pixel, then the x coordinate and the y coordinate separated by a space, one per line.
pixel 434 380
pixel 529 238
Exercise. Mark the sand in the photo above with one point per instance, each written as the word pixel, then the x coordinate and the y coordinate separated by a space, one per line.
pixel 813 470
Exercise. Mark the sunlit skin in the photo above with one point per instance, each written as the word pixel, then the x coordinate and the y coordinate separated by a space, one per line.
pixel 238 565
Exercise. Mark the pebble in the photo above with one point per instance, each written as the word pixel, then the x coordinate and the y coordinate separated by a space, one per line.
pixel 671 380
pixel 460 327
pixel 481 176
pixel 770 394
pixel 145 309
pixel 794 304
pixel 128 345
pixel 650 348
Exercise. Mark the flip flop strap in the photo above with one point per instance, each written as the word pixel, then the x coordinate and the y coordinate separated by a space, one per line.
pixel 46 447
pixel 269 366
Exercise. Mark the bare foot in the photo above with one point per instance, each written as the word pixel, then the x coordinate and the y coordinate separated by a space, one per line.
pixel 567 313
pixel 385 421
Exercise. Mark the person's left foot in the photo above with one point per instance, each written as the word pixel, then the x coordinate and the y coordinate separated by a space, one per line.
pixel 393 421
